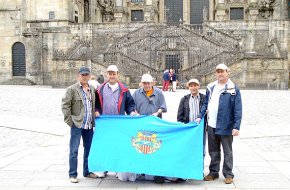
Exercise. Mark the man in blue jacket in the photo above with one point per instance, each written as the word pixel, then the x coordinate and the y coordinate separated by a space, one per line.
pixel 223 104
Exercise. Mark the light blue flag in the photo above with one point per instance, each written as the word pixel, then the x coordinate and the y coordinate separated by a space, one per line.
pixel 147 145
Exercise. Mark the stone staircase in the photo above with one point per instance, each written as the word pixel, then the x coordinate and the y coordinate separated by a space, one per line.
pixel 18 81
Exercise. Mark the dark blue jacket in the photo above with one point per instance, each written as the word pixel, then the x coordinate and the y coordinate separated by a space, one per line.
pixel 166 76
pixel 126 102
pixel 230 108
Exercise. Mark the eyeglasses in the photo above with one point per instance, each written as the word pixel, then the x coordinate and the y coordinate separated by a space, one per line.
pixel 84 75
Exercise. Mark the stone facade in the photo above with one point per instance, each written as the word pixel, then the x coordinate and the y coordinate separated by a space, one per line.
pixel 141 36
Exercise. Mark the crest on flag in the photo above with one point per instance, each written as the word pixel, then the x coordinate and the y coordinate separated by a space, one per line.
pixel 146 142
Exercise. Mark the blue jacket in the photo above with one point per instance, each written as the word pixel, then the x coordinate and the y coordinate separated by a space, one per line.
pixel 230 108
pixel 166 76
pixel 126 102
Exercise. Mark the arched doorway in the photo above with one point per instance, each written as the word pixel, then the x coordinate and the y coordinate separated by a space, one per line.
pixel 18 59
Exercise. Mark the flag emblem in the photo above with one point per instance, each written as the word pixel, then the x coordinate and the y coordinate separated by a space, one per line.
pixel 146 142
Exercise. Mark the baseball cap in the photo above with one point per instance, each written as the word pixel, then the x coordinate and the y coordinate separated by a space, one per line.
pixel 222 67
pixel 84 70
pixel 112 68
pixel 193 81
pixel 146 78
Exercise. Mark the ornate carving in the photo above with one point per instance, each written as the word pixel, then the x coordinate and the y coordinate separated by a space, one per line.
pixel 107 10
pixel 266 8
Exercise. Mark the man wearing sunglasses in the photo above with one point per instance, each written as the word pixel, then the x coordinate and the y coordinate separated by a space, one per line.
pixel 78 107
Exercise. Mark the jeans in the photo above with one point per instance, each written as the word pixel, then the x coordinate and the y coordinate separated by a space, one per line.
pixel 75 137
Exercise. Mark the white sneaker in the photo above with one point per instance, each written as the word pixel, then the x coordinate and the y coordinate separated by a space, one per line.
pixel 74 180
pixel 100 174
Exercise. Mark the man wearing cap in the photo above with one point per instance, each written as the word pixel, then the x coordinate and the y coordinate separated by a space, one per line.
pixel 223 105
pixel 190 105
pixel 113 98
pixel 149 100
pixel 78 107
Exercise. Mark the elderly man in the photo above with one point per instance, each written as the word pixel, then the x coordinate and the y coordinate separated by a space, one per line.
pixel 224 106
pixel 149 100
pixel 78 107
pixel 190 104
pixel 114 98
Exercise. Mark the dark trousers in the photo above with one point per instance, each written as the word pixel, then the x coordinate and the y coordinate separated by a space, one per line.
pixel 214 148
pixel 75 137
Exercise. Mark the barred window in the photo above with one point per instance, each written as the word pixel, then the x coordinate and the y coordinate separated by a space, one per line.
pixel 173 11
pixel 51 15
pixel 237 14
pixel 288 9
pixel 197 11
pixel 137 1
pixel 137 15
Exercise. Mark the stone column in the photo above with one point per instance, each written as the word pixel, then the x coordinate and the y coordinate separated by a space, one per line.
pixel 161 11
pixel 211 10
pixel 186 12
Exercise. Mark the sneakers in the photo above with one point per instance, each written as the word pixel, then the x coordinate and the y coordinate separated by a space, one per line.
pixel 92 175
pixel 229 180
pixel 210 178
pixel 101 174
pixel 74 179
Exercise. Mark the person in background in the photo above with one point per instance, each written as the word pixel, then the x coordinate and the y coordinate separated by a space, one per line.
pixel 165 80
pixel 78 108
pixel 93 82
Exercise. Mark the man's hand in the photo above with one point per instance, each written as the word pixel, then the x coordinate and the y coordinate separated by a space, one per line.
pixel 134 113
pixel 235 132
pixel 97 114
pixel 155 114
pixel 198 120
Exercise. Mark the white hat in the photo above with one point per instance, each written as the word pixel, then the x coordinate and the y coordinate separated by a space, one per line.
pixel 112 68
pixel 193 81
pixel 222 67
pixel 147 78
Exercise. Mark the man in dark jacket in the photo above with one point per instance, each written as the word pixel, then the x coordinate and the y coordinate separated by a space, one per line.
pixel 190 104
pixel 223 104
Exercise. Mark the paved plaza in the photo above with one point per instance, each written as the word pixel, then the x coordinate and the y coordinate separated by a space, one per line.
pixel 34 143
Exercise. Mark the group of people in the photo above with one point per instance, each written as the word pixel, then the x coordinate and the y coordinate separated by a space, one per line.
pixel 221 107
pixel 169 80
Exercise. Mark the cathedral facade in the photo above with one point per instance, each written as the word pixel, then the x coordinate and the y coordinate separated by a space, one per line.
pixel 45 42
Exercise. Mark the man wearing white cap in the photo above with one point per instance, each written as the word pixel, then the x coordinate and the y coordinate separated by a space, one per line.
pixel 114 98
pixel 190 104
pixel 223 105
pixel 149 100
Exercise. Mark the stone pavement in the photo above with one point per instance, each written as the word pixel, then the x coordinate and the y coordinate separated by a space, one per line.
pixel 34 143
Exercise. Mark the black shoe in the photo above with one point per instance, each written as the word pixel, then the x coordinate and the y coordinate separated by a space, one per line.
pixel 159 179
pixel 179 180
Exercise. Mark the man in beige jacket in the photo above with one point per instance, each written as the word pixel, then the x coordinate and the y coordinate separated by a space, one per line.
pixel 78 107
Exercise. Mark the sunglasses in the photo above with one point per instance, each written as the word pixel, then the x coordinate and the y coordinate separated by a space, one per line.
pixel 84 75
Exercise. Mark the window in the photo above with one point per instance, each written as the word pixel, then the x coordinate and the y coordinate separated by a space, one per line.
pixel 51 15
pixel 173 11
pixel 197 11
pixel 137 15
pixel 237 14
pixel 137 1
pixel 288 9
